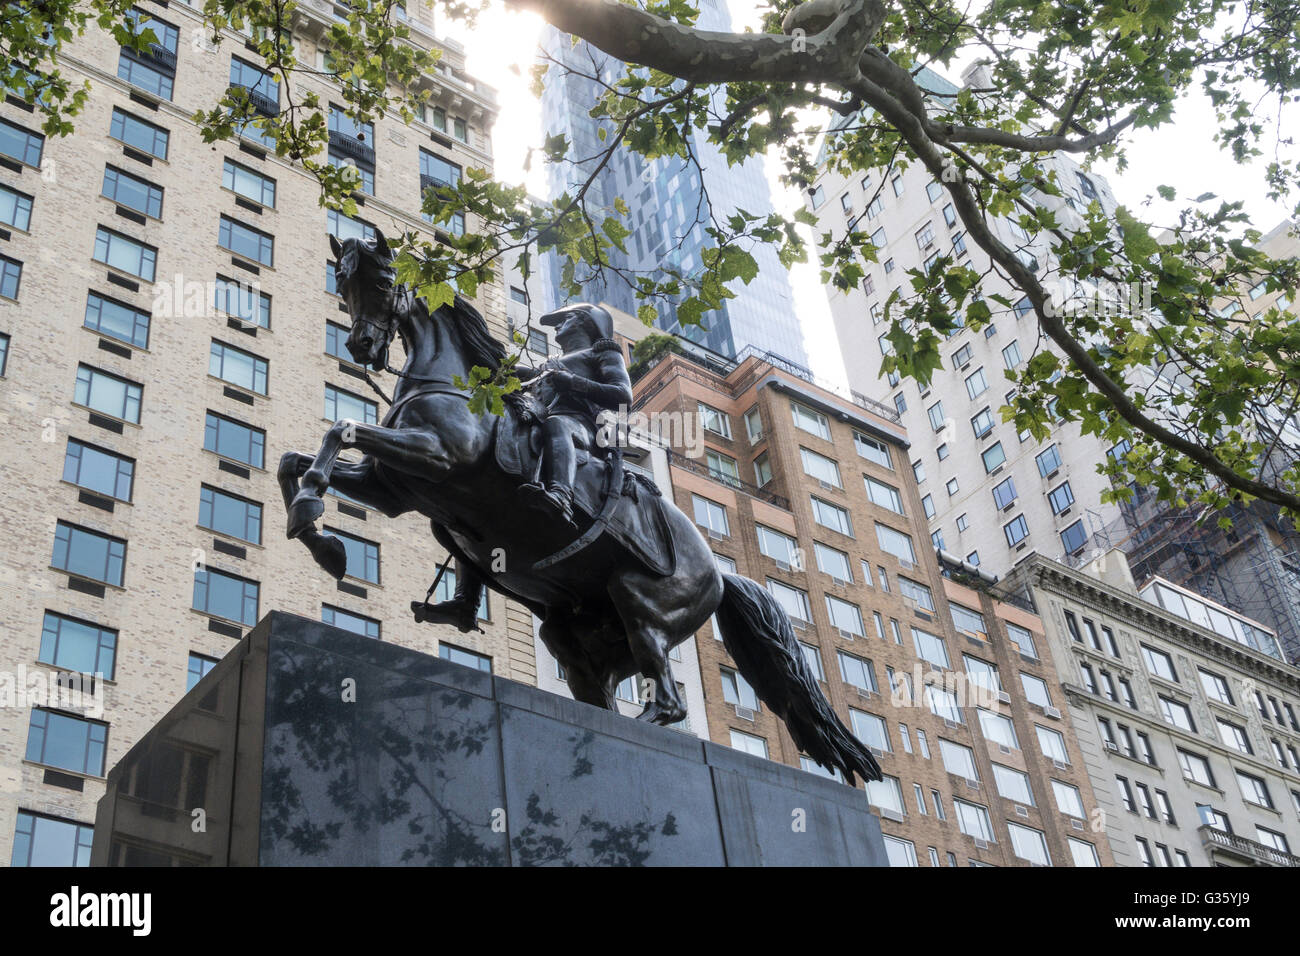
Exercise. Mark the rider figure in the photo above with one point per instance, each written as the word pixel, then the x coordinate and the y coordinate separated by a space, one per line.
pixel 576 387
pixel 589 377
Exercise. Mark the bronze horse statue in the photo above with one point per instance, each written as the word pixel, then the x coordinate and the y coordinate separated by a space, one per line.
pixel 605 615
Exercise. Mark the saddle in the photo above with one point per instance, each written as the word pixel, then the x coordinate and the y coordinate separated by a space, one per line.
pixel 636 519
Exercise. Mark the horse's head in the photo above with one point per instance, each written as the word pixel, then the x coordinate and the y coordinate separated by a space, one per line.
pixel 366 280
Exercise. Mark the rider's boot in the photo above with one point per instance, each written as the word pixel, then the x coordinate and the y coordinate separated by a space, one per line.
pixel 459 612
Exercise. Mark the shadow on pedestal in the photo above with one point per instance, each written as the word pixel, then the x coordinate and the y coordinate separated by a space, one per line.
pixel 310 745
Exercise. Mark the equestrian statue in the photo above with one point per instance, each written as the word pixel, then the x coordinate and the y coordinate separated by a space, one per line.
pixel 536 505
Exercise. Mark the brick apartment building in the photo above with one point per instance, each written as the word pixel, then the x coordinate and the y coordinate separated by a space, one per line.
pixel 812 494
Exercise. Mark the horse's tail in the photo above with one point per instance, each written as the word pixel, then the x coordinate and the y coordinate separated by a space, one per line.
pixel 759 638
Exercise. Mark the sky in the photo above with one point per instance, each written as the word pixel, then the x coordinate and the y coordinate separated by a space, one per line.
pixel 502 49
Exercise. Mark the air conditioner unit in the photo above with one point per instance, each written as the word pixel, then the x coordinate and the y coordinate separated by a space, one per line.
pixel 1003 748
pixel 1077 824
pixel 1022 811
pixel 1010 506
pixel 982 844
pixel 847 635
pixel 877 751
pixel 866 694
pixel 1004 697
pixel 826 484
pixel 1111 745
pixel 1060 764
pixel 964 367
pixel 1052 712
pixel 839 581
pixel 891 815
pixel 905 564
pixel 744 713
pixel 950 724
pixel 995 471
pixel 1054 473
pixel 716 535
pixel 972 784
pixel 783 565
pixel 1063 513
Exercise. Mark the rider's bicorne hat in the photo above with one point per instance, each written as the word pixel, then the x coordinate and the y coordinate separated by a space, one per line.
pixel 599 321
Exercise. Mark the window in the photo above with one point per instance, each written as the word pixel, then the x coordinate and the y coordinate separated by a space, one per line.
pixel 1068 800
pixel 234 440
pixel 982 423
pixel 833 562
pixel 263 92
pixel 1004 493
pixel 246 241
pixel 994 457
pixel 958 759
pixel 927 505
pixel 813 658
pixel 722 467
pixel 897 183
pixel 1035 690
pixel 11 274
pixel 1051 743
pixel 1011 354
pixel 973 559
pixel 1074 537
pixel 736 691
pixel 1176 713
pixel 15 208
pixel 714 420
pixel 710 515
pixel 918 471
pixel 870 729
pixel 832 516
pixel 748 743
pixel 1233 736
pixel 845 616
pixel 1023 639
pixel 125 254
pixel 886 794
pixel 229 514
pixel 919 593
pixel 237 367
pixel 21 144
pixel 89 554
pixel 1029 844
pixel 816 196
pixel 537 342
pixel 440 174
pixel 1216 688
pixel 340 404
pixel 937 419
pixel 1013 784
pixel 137 133
pixel 895 543
pixel 872 450
pixel 1048 461
pixel 243 302
pixel 925 236
pixel 49 841
pixel 846 203
pixel 1016 530
pixel 362 556
pixel 464 657
pixel 810 420
pixel 794 601
pixel 132 192
pixel 117 320
pixel 447 589
pixel 820 467
pixel 878 237
pixel 973 820
pixel 226 595
pixel 74 645
pixel 753 425
pixel 1272 838
pixel 930 648
pixel 248 183
pixel 762 469
pixel 98 470
pixel 153 70
pixel 356 623
pixel 968 621
pixel 982 674
pixel 886 496
pixel 1195 767
pixel 976 383
pixel 198 666
pixel 779 547
pixel 70 743
pixel 1159 663
pixel 1254 790
pixel 1212 817
pixel 857 671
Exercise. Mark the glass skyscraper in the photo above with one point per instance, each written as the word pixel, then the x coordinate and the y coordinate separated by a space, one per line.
pixel 665 198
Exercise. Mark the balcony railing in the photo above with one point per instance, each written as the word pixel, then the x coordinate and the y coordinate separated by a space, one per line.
pixel 1258 853
pixel 351 146
pixel 691 465
pixel 260 101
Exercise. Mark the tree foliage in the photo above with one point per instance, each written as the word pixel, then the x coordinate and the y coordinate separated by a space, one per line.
pixel 1202 397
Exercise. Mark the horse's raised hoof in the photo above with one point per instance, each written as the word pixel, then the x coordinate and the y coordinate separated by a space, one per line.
pixel 303 512
pixel 330 555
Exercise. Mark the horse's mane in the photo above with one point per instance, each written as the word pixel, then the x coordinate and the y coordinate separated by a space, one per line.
pixel 480 346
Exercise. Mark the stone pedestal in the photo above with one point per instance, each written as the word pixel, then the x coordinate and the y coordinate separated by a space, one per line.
pixel 309 745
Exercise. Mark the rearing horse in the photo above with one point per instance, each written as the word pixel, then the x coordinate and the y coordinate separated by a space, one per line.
pixel 605 617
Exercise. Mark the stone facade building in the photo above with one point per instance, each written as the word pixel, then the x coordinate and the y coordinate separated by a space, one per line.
pixel 167 332
pixel 1189 731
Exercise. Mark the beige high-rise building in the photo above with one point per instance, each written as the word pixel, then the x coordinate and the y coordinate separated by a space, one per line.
pixel 167 332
